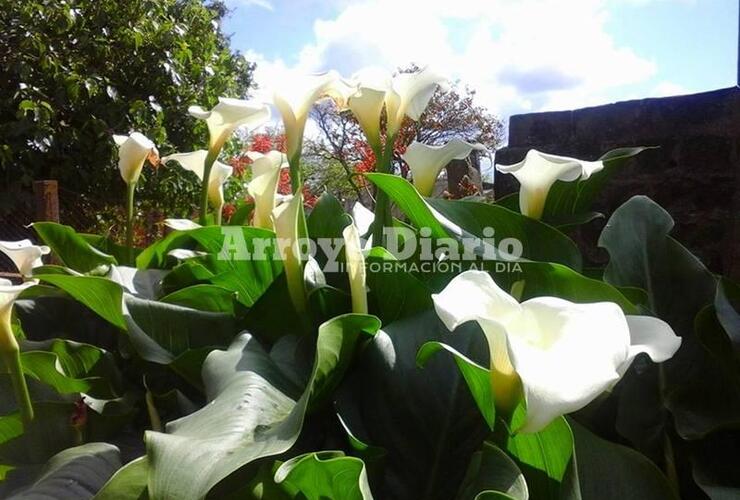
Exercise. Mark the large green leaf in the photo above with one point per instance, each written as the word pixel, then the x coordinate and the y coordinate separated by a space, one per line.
pixel 492 472
pixel 161 332
pixel 539 241
pixel 209 298
pixel 77 473
pixel 398 294
pixel 71 248
pixel 323 475
pixel 255 411
pixel 547 460
pixel 425 419
pixel 101 295
pixel 128 483
pixel 409 201
pixel 477 377
pixel 609 471
pixel 693 386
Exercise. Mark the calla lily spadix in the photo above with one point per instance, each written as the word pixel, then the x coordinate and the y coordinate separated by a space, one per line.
pixel 294 102
pixel 220 172
pixel 286 218
pixel 263 186
pixel 228 115
pixel 24 254
pixel 539 171
pixel 133 151
pixel 557 354
pixel 426 162
pixel 355 268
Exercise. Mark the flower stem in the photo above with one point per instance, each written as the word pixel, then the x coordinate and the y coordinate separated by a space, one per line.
pixel 12 358
pixel 382 209
pixel 210 159
pixel 296 180
pixel 130 189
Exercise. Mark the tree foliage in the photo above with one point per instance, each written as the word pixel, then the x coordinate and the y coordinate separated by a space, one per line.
pixel 77 71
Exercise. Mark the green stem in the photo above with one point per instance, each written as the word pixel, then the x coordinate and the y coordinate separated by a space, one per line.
pixel 130 190
pixel 12 358
pixel 210 159
pixel 296 181
pixel 218 212
pixel 382 208
pixel 151 408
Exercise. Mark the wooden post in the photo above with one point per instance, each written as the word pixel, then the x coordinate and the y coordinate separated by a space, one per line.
pixel 46 197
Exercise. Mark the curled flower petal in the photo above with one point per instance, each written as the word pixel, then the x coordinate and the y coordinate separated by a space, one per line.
pixel 228 115
pixel 195 162
pixel 24 254
pixel 539 171
pixel 133 151
pixel 426 162
pixel 355 268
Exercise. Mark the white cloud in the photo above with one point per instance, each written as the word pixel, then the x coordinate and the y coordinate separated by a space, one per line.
pixel 265 4
pixel 519 55
pixel 666 89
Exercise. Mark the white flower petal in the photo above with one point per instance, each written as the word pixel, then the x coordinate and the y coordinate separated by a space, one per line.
pixel 228 115
pixel 652 336
pixel 146 284
pixel 355 268
pixel 24 254
pixel 8 293
pixel 539 171
pixel 410 96
pixel 184 254
pixel 566 354
pixel 132 153
pixel 363 217
pixel 181 224
pixel 193 161
pixel 426 162
pixel 285 221
pixel 470 296
pixel 263 188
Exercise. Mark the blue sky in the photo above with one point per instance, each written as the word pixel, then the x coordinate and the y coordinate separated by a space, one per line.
pixel 520 55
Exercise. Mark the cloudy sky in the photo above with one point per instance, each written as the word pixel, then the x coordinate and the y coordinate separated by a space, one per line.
pixel 520 55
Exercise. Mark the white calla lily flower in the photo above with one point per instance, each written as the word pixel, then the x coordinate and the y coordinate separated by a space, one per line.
pixel 8 293
pixel 133 151
pixel 558 354
pixel 263 186
pixel 285 219
pixel 228 115
pixel 410 96
pixel 539 171
pixel 405 94
pixel 181 224
pixel 24 254
pixel 298 95
pixel 195 162
pixel 355 261
pixel 426 162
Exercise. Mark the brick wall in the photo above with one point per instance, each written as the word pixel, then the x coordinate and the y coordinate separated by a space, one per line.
pixel 695 174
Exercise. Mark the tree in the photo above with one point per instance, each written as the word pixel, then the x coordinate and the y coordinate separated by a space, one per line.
pixel 76 72
pixel 449 114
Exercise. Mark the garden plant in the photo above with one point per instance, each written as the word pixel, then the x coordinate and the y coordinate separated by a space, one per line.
pixel 419 348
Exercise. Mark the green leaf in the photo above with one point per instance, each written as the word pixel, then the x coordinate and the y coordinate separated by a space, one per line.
pixel 492 474
pixel 100 295
pixel 161 332
pixel 77 472
pixel 397 293
pixel 425 419
pixel 409 201
pixel 128 483
pixel 546 459
pixel 327 218
pixel 609 471
pixel 338 340
pixel 209 298
pixel 539 241
pixel 71 248
pixel 679 286
pixel 254 411
pixel 477 377
pixel 325 474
